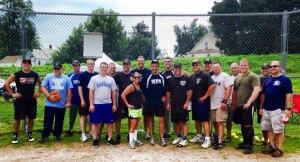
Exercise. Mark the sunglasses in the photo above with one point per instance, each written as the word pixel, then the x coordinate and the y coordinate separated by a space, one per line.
pixel 136 77
pixel 274 66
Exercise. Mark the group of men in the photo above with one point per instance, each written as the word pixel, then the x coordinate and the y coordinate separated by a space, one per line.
pixel 216 98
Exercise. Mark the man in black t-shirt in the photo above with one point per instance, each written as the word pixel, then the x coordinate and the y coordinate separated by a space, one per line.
pixel 25 103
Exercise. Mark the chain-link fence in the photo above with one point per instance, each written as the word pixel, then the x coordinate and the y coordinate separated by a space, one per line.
pixel 48 37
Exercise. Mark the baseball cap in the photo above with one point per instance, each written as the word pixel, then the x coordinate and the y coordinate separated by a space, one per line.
pixel 265 65
pixel 207 61
pixel 195 61
pixel 26 60
pixel 177 65
pixel 126 61
pixel 75 62
pixel 154 62
pixel 57 65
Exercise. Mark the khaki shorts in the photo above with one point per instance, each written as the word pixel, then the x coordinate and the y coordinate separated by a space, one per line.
pixel 272 120
pixel 219 115
pixel 135 113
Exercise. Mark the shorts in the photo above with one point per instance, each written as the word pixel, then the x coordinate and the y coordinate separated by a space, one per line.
pixel 200 111
pixel 74 109
pixel 85 111
pixel 121 113
pixel 150 111
pixel 103 113
pixel 135 113
pixel 230 113
pixel 23 109
pixel 272 120
pixel 180 117
pixel 218 115
pixel 243 116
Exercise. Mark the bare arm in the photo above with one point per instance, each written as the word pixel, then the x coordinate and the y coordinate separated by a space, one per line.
pixel 69 98
pixel 262 101
pixel 211 88
pixel 8 88
pixel 168 95
pixel 114 100
pixel 253 96
pixel 38 92
pixel 288 104
pixel 127 91
pixel 226 97
pixel 233 100
pixel 188 99
pixel 80 92
pixel 91 99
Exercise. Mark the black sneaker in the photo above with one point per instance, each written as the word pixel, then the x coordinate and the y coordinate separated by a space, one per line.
pixel 241 146
pixel 228 139
pixel 106 137
pixel 58 138
pixel 30 138
pixel 118 139
pixel 15 139
pixel 95 143
pixel 69 133
pixel 111 142
pixel 218 146
pixel 43 139
pixel 167 135
pixel 248 150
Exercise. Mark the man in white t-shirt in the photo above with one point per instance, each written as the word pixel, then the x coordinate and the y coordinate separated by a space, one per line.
pixel 218 102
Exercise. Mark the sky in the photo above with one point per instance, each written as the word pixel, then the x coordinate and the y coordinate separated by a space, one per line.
pixel 164 26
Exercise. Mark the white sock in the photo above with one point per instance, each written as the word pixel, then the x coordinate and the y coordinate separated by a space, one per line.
pixel 207 138
pixel 199 135
pixel 131 137
pixel 135 135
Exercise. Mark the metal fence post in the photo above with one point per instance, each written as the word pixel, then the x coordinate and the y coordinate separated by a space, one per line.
pixel 153 36
pixel 284 40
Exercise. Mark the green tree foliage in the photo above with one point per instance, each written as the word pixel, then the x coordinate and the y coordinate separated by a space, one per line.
pixel 10 24
pixel 252 34
pixel 188 36
pixel 140 42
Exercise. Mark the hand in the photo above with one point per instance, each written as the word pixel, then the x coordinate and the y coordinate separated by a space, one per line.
pixel 83 104
pixel 130 106
pixel 36 95
pixel 288 113
pixel 114 108
pixel 163 99
pixel 261 111
pixel 168 107
pixel 16 95
pixel 185 106
pixel 51 99
pixel 68 105
pixel 223 106
pixel 201 99
pixel 186 74
pixel 92 108
pixel 246 106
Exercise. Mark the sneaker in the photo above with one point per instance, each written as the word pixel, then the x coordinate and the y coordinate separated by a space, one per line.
pixel 241 146
pixel 69 133
pixel 106 137
pixel 167 135
pixel 218 146
pixel 58 138
pixel 118 139
pixel 182 143
pixel 176 141
pixel 248 150
pixel 138 142
pixel 146 136
pixel 162 142
pixel 111 142
pixel 131 145
pixel 83 138
pixel 15 139
pixel 95 143
pixel 263 143
pixel 277 153
pixel 43 139
pixel 196 139
pixel 89 135
pixel 152 141
pixel 269 150
pixel 228 139
pixel 30 138
pixel 206 144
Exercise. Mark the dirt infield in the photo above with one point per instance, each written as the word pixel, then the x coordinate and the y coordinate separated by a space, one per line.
pixel 85 152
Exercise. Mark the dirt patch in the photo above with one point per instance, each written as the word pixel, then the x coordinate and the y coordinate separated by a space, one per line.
pixel 85 152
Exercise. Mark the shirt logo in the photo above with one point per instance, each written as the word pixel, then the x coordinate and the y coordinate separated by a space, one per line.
pixel 276 83
pixel 198 80
pixel 26 80
pixel 57 84
pixel 155 81
pixel 182 83
pixel 75 81
pixel 218 83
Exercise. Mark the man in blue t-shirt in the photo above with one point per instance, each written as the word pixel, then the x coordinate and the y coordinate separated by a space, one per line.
pixel 54 108
pixel 75 102
pixel 154 89
pixel 275 105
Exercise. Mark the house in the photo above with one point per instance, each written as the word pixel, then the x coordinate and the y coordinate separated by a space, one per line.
pixel 205 47
pixel 11 61
pixel 42 56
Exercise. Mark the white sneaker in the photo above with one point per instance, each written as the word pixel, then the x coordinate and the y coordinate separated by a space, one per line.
pixel 131 145
pixel 182 143
pixel 138 142
pixel 176 141
pixel 146 136
pixel 196 139
pixel 206 144
pixel 152 141
pixel 83 138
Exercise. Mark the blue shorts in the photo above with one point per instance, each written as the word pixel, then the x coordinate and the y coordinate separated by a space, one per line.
pixel 200 111
pixel 103 113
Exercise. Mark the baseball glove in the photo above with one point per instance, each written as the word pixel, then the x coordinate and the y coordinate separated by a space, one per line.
pixel 56 95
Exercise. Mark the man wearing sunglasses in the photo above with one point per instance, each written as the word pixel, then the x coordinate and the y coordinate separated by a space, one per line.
pixel 55 109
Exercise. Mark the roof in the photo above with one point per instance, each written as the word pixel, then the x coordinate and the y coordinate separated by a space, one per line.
pixel 10 59
pixel 45 53
pixel 212 38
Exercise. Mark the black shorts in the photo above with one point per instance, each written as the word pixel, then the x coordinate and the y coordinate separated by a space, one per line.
pixel 180 117
pixel 243 116
pixel 23 109
pixel 150 111
pixel 201 111
pixel 121 113
pixel 84 111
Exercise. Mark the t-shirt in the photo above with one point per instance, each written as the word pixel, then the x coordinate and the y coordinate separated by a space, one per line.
pixel 222 81
pixel 244 85
pixel 200 84
pixel 84 80
pixel 211 73
pixel 154 88
pixel 60 83
pixel 168 73
pixel 143 72
pixel 75 94
pixel 103 87
pixel 275 90
pixel 122 81
pixel 179 87
pixel 25 83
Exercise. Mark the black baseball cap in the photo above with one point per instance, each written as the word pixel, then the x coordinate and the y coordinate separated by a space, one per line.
pixel 155 62
pixel 177 65
pixel 126 61
pixel 57 65
pixel 265 65
pixel 26 60
pixel 207 61
pixel 76 62
pixel 195 62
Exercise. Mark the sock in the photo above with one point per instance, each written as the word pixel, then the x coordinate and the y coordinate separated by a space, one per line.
pixel 249 135
pixel 16 134
pixel 244 135
pixel 184 138
pixel 199 135
pixel 135 135
pixel 131 136
pixel 207 138
pixel 179 135
pixel 29 133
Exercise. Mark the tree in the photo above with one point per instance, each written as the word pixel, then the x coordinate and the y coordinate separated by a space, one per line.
pixel 10 24
pixel 188 36
pixel 140 42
